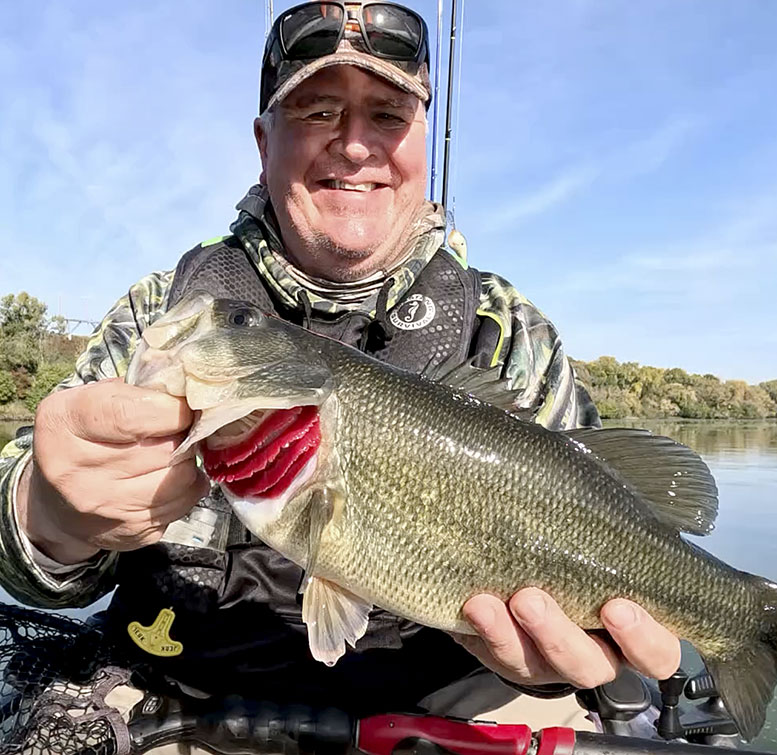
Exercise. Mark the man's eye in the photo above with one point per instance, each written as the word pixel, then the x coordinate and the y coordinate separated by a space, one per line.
pixel 390 119
pixel 322 115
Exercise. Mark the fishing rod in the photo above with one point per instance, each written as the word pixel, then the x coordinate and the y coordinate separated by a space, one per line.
pixel 457 111
pixel 449 104
pixel 436 117
pixel 269 17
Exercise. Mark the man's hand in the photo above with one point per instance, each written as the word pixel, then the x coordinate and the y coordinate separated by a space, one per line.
pixel 100 477
pixel 530 641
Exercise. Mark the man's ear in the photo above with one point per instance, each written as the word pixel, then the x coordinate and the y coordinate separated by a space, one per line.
pixel 261 143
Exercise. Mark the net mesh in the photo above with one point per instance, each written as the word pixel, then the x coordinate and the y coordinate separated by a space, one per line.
pixel 55 673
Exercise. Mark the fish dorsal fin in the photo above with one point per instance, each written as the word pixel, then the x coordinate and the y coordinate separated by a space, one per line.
pixel 484 384
pixel 667 475
pixel 333 616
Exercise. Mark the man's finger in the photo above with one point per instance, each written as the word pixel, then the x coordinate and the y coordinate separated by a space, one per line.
pixel 159 488
pixel 121 463
pixel 576 656
pixel 501 644
pixel 114 412
pixel 647 645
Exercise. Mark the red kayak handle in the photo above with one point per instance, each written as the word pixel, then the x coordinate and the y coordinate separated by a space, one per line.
pixel 380 735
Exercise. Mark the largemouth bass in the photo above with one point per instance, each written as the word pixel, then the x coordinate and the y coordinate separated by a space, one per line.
pixel 394 490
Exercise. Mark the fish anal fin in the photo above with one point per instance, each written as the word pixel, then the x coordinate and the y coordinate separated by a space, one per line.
pixel 668 476
pixel 333 616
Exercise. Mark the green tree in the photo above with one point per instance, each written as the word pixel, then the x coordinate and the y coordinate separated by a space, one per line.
pixel 770 386
pixel 46 379
pixel 22 325
pixel 7 387
pixel 676 375
pixel 22 313
pixel 629 390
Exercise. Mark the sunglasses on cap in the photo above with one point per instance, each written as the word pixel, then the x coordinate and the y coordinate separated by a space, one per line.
pixel 315 29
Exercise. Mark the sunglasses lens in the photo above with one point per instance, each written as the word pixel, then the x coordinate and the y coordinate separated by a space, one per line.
pixel 311 31
pixel 392 31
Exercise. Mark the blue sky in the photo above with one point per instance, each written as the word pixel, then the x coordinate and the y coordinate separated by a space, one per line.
pixel 616 160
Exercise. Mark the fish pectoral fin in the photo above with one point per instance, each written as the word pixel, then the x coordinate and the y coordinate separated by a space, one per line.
pixel 333 616
pixel 321 508
pixel 666 475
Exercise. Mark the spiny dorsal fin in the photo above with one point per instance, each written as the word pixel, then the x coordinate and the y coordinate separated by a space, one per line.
pixel 484 384
pixel 668 475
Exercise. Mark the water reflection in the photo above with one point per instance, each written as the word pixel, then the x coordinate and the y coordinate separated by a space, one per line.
pixel 712 438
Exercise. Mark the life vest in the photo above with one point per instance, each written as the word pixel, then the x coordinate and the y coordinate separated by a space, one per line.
pixel 238 626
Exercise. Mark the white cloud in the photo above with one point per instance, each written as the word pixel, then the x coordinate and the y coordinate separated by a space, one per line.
pixel 545 197
pixel 617 163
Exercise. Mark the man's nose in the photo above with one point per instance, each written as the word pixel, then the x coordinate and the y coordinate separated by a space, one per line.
pixel 357 138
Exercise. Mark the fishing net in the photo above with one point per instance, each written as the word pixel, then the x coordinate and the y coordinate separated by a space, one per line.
pixel 54 676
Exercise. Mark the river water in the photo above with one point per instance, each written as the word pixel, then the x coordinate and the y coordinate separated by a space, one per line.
pixel 743 458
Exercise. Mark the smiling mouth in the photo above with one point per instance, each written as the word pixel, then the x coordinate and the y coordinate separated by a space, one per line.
pixel 261 455
pixel 338 185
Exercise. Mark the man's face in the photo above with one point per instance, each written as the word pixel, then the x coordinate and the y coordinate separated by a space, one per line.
pixel 345 165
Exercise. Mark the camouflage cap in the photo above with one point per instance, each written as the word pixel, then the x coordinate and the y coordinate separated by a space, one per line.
pixel 280 76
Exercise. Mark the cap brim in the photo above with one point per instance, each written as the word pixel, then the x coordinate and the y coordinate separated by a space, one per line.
pixel 379 67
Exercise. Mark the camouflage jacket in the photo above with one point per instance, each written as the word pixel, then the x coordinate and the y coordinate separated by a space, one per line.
pixel 529 351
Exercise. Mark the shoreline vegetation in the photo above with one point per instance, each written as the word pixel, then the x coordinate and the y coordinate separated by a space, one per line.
pixel 623 390
pixel 36 354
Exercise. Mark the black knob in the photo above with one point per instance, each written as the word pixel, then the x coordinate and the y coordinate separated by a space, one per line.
pixel 668 724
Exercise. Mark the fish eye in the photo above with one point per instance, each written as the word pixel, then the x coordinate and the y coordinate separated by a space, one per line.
pixel 244 318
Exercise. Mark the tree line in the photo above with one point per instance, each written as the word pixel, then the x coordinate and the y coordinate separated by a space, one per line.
pixel 628 389
pixel 36 354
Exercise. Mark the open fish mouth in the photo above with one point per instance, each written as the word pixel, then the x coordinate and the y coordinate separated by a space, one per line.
pixel 262 454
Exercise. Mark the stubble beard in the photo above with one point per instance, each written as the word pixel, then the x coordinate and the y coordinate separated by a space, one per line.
pixel 348 264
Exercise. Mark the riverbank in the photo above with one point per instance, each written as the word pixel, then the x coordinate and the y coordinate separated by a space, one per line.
pixel 628 389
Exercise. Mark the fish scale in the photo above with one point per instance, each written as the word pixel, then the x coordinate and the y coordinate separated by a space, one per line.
pixel 507 500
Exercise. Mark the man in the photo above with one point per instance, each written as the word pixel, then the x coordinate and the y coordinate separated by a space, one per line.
pixel 337 237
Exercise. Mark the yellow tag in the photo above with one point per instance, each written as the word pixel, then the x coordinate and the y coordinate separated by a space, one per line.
pixel 156 639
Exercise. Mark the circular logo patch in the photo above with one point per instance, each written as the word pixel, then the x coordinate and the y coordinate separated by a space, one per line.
pixel 416 312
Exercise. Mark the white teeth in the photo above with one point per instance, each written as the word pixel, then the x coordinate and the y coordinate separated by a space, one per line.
pixel 342 185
